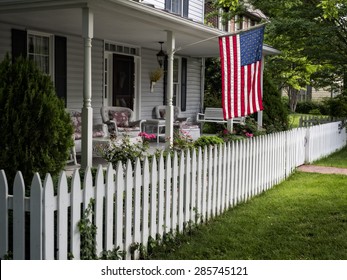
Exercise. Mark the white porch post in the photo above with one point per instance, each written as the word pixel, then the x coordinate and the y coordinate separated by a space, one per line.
pixel 87 111
pixel 169 107
pixel 230 125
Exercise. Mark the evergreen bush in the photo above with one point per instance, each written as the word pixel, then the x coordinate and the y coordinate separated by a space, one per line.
pixel 35 130
pixel 275 114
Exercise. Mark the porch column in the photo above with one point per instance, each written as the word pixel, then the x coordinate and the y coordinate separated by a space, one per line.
pixel 169 107
pixel 87 111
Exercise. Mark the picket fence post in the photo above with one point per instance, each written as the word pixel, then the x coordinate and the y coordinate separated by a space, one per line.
pixel 4 238
pixel 36 193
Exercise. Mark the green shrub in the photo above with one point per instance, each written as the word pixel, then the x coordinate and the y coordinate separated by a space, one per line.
pixel 337 106
pixel 249 129
pixel 315 112
pixel 35 130
pixel 275 114
pixel 207 140
pixel 305 107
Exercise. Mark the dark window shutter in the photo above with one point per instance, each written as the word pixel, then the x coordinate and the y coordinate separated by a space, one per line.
pixel 185 8
pixel 60 67
pixel 19 43
pixel 184 85
pixel 165 80
pixel 168 5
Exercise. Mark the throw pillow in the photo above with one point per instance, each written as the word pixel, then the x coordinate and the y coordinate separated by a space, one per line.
pixel 120 117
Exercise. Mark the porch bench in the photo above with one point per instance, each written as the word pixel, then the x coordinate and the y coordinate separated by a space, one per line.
pixel 215 115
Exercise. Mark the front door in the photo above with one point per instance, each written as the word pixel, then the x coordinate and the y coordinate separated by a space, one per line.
pixel 123 81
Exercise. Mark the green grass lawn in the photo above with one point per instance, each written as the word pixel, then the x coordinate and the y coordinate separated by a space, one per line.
pixel 338 159
pixel 305 217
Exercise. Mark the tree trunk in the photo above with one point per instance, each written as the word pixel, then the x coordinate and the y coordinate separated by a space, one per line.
pixel 293 98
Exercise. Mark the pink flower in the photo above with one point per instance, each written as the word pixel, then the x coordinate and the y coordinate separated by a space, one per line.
pixel 249 135
pixel 146 135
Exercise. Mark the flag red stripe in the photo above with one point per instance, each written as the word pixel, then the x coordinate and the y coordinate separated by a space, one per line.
pixel 235 76
pixel 260 103
pixel 249 87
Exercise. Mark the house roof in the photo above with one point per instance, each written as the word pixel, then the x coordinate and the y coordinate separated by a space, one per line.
pixel 121 21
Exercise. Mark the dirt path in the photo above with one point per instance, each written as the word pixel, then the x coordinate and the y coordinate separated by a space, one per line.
pixel 322 169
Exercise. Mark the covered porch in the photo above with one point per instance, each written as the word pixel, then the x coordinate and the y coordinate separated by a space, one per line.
pixel 129 22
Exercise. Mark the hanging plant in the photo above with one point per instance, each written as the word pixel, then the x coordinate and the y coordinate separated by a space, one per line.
pixel 156 75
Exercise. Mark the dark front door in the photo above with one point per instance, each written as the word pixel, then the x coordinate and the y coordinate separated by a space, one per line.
pixel 123 81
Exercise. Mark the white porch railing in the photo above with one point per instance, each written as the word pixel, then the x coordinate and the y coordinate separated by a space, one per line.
pixel 132 204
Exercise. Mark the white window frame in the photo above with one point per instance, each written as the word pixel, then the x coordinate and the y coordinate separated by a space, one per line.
pixel 176 94
pixel 50 38
pixel 178 4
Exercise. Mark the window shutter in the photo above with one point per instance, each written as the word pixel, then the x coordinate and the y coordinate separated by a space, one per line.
pixel 185 8
pixel 165 80
pixel 19 43
pixel 60 67
pixel 184 85
pixel 168 5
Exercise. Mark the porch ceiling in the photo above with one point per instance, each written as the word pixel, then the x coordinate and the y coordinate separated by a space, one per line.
pixel 122 21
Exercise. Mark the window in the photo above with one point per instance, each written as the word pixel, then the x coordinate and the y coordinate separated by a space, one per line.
pixel 176 82
pixel 178 7
pixel 48 51
pixel 39 50
pixel 179 94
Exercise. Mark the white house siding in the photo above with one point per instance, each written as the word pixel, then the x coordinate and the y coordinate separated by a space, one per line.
pixel 320 94
pixel 193 87
pixel 151 99
pixel 195 12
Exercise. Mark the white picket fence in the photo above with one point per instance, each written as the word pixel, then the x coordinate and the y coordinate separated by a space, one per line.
pixel 132 204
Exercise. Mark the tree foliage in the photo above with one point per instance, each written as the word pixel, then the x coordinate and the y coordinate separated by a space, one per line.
pixel 313 32
pixel 35 130
pixel 312 38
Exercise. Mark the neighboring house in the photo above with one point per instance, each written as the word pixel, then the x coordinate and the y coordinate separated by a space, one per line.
pixel 313 94
pixel 250 18
pixel 101 52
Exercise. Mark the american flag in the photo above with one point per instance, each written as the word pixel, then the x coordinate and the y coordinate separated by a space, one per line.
pixel 241 67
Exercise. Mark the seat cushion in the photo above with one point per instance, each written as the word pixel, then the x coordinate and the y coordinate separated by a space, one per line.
pixel 76 119
pixel 162 113
pixel 120 117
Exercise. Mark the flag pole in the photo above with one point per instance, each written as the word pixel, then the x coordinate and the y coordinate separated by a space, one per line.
pixel 218 36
